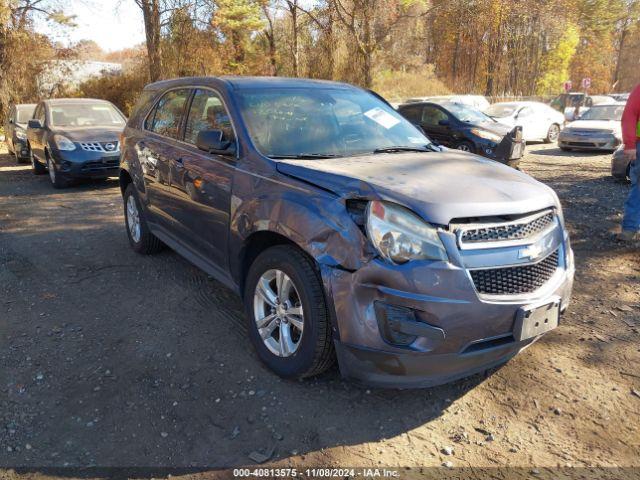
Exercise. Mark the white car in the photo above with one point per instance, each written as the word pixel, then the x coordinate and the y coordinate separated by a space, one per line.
pixel 478 102
pixel 538 120
pixel 598 128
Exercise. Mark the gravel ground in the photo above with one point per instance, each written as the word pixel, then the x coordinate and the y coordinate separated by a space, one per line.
pixel 111 359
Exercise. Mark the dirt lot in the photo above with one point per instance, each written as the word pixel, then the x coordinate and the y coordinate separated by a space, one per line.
pixel 109 358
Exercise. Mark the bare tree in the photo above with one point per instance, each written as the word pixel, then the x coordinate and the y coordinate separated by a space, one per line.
pixel 151 13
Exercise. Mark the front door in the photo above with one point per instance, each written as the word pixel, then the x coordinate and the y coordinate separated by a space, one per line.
pixel 37 136
pixel 201 182
pixel 437 124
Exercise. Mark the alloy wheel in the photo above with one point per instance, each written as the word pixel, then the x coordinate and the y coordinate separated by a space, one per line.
pixel 278 313
pixel 554 131
pixel 464 147
pixel 133 219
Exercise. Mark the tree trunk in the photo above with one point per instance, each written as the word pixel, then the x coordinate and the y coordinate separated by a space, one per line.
pixel 295 56
pixel 151 15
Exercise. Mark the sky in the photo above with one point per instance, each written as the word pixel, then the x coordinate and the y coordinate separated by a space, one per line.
pixel 112 24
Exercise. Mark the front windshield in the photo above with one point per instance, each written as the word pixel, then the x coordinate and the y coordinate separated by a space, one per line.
pixel 25 114
pixel 604 112
pixel 500 111
pixel 466 114
pixel 294 122
pixel 85 115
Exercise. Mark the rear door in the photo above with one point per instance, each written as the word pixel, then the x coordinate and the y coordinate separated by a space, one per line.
pixel 201 182
pixel 157 149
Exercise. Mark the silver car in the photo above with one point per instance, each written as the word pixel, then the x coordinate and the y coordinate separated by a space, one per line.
pixel 598 128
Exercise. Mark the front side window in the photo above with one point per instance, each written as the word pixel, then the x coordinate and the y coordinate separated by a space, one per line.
pixel 432 116
pixel 40 115
pixel 294 122
pixel 87 114
pixel 207 113
pixel 165 119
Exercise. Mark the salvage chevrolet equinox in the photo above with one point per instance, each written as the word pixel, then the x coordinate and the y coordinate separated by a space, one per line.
pixel 347 233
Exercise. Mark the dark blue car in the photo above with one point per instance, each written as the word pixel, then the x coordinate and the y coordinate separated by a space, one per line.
pixel 75 138
pixel 346 232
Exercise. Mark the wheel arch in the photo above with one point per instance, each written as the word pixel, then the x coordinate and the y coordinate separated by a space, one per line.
pixel 254 245
pixel 124 179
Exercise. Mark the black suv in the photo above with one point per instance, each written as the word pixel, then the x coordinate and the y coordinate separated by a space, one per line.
pixel 75 138
pixel 344 228
pixel 15 131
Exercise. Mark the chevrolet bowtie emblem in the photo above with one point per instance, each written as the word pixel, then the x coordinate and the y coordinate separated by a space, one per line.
pixel 531 252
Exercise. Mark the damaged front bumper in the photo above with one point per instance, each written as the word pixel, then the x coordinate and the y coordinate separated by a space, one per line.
pixel 425 323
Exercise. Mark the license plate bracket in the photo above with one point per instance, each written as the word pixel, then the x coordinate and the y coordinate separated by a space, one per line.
pixel 534 320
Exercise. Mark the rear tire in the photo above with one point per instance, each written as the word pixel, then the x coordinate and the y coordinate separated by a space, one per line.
pixel 552 133
pixel 140 237
pixel 289 282
pixel 466 147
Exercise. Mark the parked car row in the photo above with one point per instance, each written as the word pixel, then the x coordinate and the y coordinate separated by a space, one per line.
pixel 348 233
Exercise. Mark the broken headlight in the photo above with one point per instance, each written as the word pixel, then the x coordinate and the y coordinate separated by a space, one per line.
pixel 399 235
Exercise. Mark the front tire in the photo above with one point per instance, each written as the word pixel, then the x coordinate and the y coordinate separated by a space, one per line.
pixel 552 133
pixel 288 317
pixel 140 237
pixel 36 167
pixel 57 179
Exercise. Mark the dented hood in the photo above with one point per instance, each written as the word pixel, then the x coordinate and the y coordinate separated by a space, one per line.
pixel 439 186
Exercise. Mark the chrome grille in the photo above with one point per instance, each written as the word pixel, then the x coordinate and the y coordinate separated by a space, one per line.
pixel 517 230
pixel 103 147
pixel 515 280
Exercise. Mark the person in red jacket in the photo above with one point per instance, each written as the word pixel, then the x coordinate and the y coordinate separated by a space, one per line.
pixel 631 140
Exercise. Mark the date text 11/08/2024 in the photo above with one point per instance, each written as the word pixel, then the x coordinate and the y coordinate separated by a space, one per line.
pixel 316 472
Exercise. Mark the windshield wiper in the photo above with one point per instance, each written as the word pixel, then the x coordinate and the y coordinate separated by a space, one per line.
pixel 305 156
pixel 397 149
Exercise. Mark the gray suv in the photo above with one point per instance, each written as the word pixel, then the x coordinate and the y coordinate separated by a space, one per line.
pixel 346 232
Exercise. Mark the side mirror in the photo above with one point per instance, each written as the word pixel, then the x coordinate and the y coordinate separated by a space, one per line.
pixel 212 141
pixel 34 124
pixel 444 123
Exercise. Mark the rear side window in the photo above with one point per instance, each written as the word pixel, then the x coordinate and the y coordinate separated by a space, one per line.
pixel 207 113
pixel 166 117
pixel 413 113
